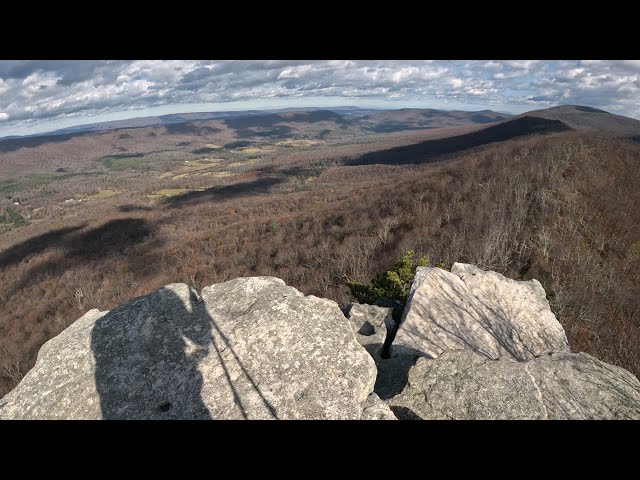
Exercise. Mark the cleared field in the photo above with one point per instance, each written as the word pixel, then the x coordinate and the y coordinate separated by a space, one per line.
pixel 203 161
pixel 32 180
pixel 217 174
pixel 298 143
pixel 103 194
pixel 122 161
pixel 242 163
pixel 206 149
pixel 255 150
pixel 172 192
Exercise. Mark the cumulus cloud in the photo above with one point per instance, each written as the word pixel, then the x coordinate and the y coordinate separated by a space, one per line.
pixel 32 92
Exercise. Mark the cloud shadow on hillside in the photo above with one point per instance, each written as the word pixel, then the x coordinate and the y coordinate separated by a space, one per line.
pixel 226 192
pixel 114 239
pixel 34 245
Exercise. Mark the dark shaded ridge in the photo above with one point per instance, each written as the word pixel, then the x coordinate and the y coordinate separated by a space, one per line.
pixel 480 118
pixel 269 120
pixel 188 128
pixel 400 127
pixel 426 151
pixel 14 144
pixel 280 131
pixel 589 109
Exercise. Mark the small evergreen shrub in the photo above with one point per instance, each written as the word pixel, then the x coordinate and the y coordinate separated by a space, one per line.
pixel 273 226
pixel 393 284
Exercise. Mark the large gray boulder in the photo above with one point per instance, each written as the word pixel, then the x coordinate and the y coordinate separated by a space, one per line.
pixel 464 385
pixel 485 312
pixel 249 348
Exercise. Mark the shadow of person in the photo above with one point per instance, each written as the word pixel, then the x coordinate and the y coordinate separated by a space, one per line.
pixel 147 353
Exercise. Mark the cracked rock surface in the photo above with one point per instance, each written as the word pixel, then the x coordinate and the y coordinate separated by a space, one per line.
pixel 250 348
pixel 481 311
pixel 471 345
pixel 463 385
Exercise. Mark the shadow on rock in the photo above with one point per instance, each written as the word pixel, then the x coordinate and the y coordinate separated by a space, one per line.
pixel 393 373
pixel 150 356
pixel 404 413
pixel 147 353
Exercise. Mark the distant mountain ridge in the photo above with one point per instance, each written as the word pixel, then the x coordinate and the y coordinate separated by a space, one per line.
pixel 378 121
pixel 581 117
pixel 346 119
pixel 416 118
pixel 171 118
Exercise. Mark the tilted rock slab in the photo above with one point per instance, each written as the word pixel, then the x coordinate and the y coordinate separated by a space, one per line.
pixel 485 312
pixel 464 385
pixel 248 348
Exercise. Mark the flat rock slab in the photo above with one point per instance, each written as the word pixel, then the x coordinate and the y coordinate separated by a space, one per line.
pixel 463 385
pixel 370 323
pixel 249 348
pixel 485 312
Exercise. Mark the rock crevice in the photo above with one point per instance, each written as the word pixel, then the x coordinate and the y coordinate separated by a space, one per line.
pixel 470 344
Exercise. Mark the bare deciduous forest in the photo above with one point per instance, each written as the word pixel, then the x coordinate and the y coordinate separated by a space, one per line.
pixel 561 207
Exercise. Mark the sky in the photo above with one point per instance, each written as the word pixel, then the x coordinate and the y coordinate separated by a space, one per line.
pixel 43 95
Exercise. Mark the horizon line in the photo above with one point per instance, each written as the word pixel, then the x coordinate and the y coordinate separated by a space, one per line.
pixel 284 109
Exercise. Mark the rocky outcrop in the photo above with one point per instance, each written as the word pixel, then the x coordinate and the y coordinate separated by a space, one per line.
pixel 485 312
pixel 464 385
pixel 489 347
pixel 249 348
pixel 375 327
pixel 471 345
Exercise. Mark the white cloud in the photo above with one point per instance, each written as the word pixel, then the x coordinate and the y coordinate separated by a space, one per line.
pixel 43 91
pixel 295 72
pixel 404 73
pixel 575 72
pixel 633 64
pixel 491 65
pixel 521 64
